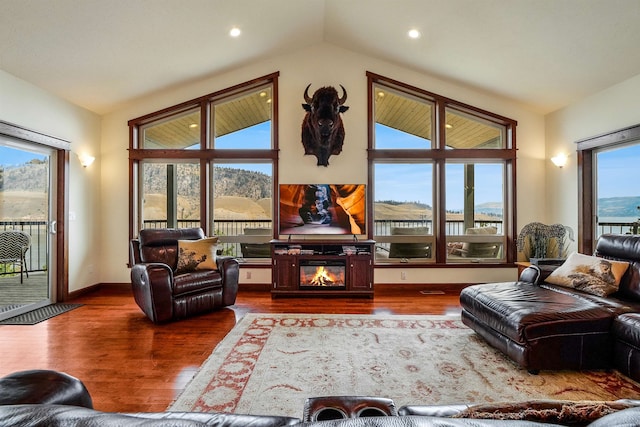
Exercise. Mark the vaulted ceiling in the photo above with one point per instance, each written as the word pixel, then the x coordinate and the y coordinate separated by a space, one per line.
pixel 100 54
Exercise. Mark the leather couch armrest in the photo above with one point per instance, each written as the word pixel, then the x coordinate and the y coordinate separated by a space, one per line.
pixel 531 274
pixel 432 410
pixel 134 252
pixel 152 285
pixel 230 271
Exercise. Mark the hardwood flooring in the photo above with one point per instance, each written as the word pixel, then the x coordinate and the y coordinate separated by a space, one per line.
pixel 129 364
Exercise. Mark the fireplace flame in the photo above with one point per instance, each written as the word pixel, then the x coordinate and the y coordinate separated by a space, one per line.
pixel 322 277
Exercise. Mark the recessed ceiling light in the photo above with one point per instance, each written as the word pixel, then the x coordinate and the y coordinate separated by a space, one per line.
pixel 414 34
pixel 235 32
pixel 448 126
pixel 193 125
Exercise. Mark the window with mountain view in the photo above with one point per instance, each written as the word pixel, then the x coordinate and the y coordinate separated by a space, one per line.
pixel 170 194
pixel 618 197
pixel 443 178
pixel 213 170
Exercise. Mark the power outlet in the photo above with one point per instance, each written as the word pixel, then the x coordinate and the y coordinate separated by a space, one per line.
pixel 403 275
pixel 247 275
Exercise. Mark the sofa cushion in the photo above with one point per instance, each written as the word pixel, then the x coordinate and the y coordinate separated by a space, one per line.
pixel 197 255
pixel 525 312
pixel 590 274
pixel 196 281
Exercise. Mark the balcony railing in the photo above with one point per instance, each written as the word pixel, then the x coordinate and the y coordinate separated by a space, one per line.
pixel 36 256
pixel 38 230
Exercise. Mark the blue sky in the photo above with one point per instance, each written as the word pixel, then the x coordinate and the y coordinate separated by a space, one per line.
pixel 12 157
pixel 619 172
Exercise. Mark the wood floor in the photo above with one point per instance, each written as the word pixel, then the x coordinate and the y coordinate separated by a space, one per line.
pixel 129 364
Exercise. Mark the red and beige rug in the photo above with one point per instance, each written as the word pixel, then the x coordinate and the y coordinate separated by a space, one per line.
pixel 270 363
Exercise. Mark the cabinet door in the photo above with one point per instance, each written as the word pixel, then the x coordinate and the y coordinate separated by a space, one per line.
pixel 285 273
pixel 360 271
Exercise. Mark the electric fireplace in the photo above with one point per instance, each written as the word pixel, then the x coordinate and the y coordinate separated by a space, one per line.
pixel 317 267
pixel 324 274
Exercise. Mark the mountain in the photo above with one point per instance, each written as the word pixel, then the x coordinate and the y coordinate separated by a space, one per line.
pixel 490 208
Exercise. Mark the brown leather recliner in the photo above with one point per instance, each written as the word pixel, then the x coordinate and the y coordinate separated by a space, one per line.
pixel 164 295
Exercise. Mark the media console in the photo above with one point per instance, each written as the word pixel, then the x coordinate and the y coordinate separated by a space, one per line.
pixel 322 267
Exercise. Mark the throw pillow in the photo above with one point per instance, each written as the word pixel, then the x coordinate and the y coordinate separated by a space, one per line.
pixel 197 255
pixel 565 413
pixel 595 275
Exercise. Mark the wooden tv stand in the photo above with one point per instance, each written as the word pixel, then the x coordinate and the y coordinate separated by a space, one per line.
pixel 289 256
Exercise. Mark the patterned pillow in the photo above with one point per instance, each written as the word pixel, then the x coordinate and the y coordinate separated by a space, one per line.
pixel 197 255
pixel 595 275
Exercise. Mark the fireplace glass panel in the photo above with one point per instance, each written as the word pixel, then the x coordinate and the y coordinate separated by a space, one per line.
pixel 322 275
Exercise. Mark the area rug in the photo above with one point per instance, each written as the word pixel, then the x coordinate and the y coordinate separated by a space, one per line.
pixel 40 314
pixel 270 363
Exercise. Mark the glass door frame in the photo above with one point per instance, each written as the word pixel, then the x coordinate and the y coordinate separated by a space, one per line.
pixel 587 151
pixel 60 202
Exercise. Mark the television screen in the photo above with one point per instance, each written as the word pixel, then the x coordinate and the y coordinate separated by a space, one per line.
pixel 322 209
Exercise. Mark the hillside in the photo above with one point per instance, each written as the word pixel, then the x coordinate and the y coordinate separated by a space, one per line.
pixel 239 194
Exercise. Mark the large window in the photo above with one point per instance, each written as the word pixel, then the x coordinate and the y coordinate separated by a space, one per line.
pixel 209 163
pixel 617 198
pixel 608 196
pixel 442 178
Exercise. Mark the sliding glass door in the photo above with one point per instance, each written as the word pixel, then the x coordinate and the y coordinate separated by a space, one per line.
pixel 27 226
pixel 617 198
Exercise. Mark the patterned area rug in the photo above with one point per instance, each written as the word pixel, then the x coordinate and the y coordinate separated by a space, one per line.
pixel 39 315
pixel 270 363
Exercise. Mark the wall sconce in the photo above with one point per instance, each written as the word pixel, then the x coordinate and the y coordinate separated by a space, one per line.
pixel 560 160
pixel 86 160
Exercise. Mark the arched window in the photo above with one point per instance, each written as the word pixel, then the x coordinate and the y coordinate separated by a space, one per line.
pixel 443 178
pixel 193 164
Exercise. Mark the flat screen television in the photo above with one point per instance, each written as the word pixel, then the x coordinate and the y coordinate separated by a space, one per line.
pixel 322 209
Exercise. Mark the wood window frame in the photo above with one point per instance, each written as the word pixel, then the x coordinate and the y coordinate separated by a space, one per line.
pixel 587 149
pixel 439 155
pixel 204 154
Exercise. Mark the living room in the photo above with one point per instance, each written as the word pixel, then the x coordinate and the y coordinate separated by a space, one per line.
pixel 98 234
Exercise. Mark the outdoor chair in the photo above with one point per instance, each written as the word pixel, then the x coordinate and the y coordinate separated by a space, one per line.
pixel 13 249
pixel 256 250
pixel 410 250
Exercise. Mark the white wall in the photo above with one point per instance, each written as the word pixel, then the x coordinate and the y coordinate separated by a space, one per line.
pixel 612 109
pixel 323 64
pixel 28 106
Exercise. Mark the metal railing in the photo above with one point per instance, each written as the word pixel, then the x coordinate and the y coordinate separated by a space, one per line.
pixel 618 227
pixel 36 256
pixel 38 230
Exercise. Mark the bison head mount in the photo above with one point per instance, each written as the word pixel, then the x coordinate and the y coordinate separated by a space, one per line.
pixel 322 127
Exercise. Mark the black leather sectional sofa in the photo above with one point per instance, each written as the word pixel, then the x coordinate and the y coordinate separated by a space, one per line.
pixel 55 399
pixel 542 326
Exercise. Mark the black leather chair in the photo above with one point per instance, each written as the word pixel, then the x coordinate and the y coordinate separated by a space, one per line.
pixel 163 292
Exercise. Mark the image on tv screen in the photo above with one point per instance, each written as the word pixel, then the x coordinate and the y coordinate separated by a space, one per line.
pixel 322 209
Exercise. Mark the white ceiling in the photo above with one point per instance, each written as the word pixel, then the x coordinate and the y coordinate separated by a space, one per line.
pixel 101 53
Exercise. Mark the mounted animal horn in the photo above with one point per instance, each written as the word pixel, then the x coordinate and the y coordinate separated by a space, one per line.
pixel 342 100
pixel 307 98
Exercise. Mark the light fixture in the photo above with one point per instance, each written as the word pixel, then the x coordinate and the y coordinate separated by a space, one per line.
pixel 193 125
pixel 560 160
pixel 235 32
pixel 86 160
pixel 413 33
